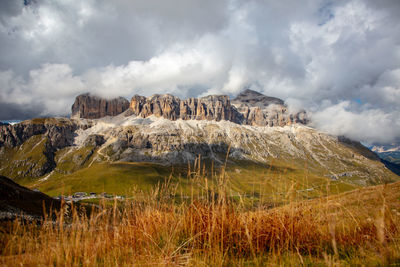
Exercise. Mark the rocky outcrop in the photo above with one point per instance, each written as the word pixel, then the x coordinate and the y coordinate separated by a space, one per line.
pixel 60 132
pixel 94 140
pixel 213 107
pixel 166 106
pixel 33 143
pixel 249 108
pixel 274 115
pixel 93 107
pixel 260 110
pixel 177 142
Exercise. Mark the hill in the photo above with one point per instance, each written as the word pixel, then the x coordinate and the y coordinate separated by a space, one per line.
pixel 19 201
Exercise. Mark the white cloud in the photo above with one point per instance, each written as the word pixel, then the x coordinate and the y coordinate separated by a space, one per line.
pixel 317 54
pixel 367 125
pixel 52 87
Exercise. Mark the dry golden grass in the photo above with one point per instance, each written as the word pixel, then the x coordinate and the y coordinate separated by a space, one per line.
pixel 355 228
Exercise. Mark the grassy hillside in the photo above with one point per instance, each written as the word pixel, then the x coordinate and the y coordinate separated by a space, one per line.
pixel 27 160
pixel 249 180
pixel 357 228
pixel 115 178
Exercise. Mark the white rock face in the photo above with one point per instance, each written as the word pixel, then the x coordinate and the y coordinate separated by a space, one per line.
pixel 156 139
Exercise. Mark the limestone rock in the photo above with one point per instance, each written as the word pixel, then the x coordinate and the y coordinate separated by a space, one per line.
pixel 94 140
pixel 54 134
pixel 93 107
pixel 214 107
pixel 261 110
pixel 59 131
pixel 249 107
pixel 166 106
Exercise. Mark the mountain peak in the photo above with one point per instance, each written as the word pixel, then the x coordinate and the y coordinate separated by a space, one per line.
pixel 93 107
pixel 257 99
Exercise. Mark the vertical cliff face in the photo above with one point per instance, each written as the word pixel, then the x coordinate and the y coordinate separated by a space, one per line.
pixel 261 110
pixel 59 132
pixel 167 106
pixel 93 107
pixel 214 107
pixel 250 108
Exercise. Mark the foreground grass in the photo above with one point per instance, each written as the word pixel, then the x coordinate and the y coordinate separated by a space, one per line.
pixel 360 227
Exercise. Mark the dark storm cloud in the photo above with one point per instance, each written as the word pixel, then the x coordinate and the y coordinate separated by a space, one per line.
pixel 338 59
pixel 10 9
pixel 10 111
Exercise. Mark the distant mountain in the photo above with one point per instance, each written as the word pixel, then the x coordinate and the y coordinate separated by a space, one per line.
pixel 394 147
pixel 389 153
pixel 254 98
pixel 9 122
pixel 163 135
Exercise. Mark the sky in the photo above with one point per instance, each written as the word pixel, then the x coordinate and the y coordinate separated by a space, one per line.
pixel 338 60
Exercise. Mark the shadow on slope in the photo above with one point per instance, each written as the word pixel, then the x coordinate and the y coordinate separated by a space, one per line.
pixel 395 168
pixel 16 201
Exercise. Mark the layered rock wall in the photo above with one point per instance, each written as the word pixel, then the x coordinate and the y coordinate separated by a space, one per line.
pixel 249 108
pixel 261 110
pixel 275 115
pixel 60 132
pixel 214 107
pixel 93 107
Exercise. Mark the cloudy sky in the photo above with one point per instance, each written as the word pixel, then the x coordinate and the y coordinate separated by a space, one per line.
pixel 340 60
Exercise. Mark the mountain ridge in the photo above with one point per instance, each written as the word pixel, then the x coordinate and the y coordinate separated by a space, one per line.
pixel 249 108
pixel 44 151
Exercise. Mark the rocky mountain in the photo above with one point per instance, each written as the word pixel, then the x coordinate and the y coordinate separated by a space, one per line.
pixel 394 147
pixel 59 131
pixel 260 110
pixel 213 107
pixel 253 98
pixel 162 130
pixel 390 153
pixel 249 108
pixel 93 107
pixel 42 137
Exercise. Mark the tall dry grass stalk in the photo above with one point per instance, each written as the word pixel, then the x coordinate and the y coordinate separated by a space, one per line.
pixel 210 228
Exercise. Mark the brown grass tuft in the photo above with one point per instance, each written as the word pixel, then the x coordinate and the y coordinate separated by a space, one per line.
pixel 360 227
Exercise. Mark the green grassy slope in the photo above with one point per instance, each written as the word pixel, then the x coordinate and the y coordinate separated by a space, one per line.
pixel 27 160
pixel 114 178
pixel 256 182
